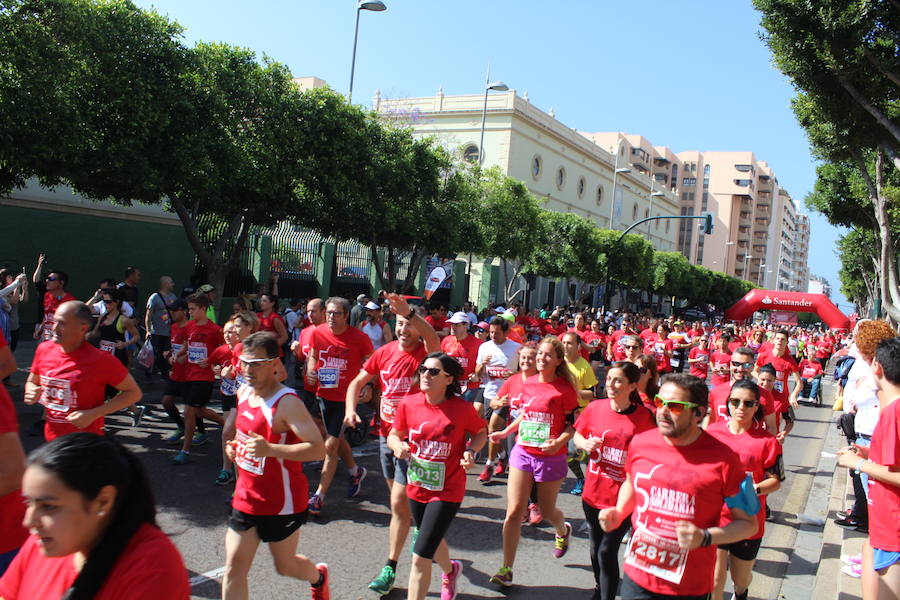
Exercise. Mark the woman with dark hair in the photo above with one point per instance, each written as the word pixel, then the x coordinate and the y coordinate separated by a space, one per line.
pixel 648 384
pixel 270 320
pixel 94 536
pixel 439 433
pixel 604 430
pixel 760 455
pixel 110 336
pixel 544 428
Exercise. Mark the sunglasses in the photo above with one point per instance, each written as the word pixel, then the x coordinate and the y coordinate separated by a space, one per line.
pixel 52 278
pixel 736 402
pixel 246 363
pixel 433 371
pixel 746 365
pixel 676 407
pixel 632 347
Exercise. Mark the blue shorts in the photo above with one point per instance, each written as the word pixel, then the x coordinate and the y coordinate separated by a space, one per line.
pixel 884 559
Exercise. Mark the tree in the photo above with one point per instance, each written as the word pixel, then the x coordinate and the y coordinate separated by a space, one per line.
pixel 858 253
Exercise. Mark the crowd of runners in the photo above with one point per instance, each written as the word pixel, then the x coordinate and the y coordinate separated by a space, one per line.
pixel 672 431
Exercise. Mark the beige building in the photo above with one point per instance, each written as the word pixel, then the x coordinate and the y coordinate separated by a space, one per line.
pixel 800 271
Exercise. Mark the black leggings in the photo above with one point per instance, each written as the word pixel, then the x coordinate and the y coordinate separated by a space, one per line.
pixel 433 520
pixel 604 553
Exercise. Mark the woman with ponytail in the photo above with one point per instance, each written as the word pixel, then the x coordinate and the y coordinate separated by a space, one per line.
pixel 92 517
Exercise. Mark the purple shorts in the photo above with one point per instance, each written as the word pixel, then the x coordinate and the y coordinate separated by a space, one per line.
pixel 542 468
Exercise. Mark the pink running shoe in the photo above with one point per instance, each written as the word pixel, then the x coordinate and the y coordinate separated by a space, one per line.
pixel 448 581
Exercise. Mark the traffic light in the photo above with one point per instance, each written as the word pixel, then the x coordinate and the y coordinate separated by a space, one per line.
pixel 707 223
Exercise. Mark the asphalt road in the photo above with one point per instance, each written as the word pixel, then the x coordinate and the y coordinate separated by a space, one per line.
pixel 351 535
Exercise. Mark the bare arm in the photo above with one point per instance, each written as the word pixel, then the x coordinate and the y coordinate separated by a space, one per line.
pixel 611 518
pixel 280 332
pixel 12 462
pixel 741 527
pixel 351 419
pixel 38 270
pixel 132 329
pixel 129 393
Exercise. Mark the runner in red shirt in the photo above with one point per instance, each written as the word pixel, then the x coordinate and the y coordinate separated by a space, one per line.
pixel 464 348
pixel 69 377
pixel 677 479
pixel 270 320
pixel 315 314
pixel 698 358
pixel 12 465
pixel 784 365
pixel 720 360
pixel 335 357
pixel 662 348
pixel 201 338
pixel 55 295
pixel 740 368
pixel 760 454
pixel 175 386
pixel 544 427
pixel 393 366
pixel 614 349
pixel 604 430
pixel 274 437
pixel 439 434
pixel 881 462
pixel 89 503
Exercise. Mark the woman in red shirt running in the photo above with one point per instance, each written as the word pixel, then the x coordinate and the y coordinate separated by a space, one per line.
pixel 270 320
pixel 94 535
pixel 604 430
pixel 439 433
pixel 544 429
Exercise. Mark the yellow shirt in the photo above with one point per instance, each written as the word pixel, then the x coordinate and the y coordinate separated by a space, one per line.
pixel 584 376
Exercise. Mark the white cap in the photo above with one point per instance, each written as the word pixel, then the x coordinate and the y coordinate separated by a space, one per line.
pixel 458 317
pixel 372 306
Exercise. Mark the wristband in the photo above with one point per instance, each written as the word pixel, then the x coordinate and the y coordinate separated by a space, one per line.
pixel 859 463
pixel 707 539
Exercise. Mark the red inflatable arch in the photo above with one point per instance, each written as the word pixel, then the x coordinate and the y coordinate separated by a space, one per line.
pixel 792 301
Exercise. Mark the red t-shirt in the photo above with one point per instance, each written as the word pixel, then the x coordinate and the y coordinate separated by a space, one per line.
pixel 466 353
pixel 606 468
pixel 718 400
pixel 304 345
pixel 618 346
pixel 438 323
pixel 149 568
pixel 224 357
pixel 672 484
pixel 784 366
pixel 759 451
pixel 340 358
pixel 437 435
pixel 699 369
pixel 177 338
pixel 395 369
pixel 12 509
pixel 268 324
pixel 51 303
pixel 586 335
pixel 202 341
pixel 545 406
pixel 884 499
pixel 735 344
pixel 721 368
pixel 512 389
pixel 554 329
pixel 658 348
pixel 810 369
pixel 72 382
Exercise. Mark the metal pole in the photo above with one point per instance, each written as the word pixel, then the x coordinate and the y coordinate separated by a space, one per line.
pixel 612 200
pixel 353 62
pixel 487 82
pixel 650 214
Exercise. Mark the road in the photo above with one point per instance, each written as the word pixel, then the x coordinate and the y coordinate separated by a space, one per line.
pixel 351 535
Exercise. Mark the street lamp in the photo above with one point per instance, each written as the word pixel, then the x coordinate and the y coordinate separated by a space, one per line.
pixel 725 270
pixel 616 171
pixel 374 6
pixel 497 86
pixel 759 278
pixel 746 266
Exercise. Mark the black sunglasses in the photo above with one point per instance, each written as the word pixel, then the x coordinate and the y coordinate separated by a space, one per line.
pixel 736 402
pixel 433 371
pixel 746 365
pixel 52 278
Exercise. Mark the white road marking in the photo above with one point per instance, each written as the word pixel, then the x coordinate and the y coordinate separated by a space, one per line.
pixel 208 576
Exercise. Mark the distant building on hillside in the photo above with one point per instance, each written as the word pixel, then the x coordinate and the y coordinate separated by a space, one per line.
pixel 819 285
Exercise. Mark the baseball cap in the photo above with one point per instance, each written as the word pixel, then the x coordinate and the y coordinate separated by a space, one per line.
pixel 483 325
pixel 206 288
pixel 458 317
pixel 372 306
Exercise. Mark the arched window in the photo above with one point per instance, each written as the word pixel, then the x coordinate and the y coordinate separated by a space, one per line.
pixel 470 153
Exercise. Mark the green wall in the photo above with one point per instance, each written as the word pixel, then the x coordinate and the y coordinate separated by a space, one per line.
pixel 90 248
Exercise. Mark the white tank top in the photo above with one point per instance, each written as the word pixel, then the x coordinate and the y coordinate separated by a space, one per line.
pixel 375 332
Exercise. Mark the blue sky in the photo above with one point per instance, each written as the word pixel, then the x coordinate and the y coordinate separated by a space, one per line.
pixel 691 75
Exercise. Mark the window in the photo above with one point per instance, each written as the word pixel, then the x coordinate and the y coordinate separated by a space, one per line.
pixel 743 168
pixel 742 182
pixel 470 153
pixel 668 222
pixel 646 212
pixel 580 187
pixel 689 181
pixel 537 166
pixel 599 195
pixel 560 178
pixel 634 212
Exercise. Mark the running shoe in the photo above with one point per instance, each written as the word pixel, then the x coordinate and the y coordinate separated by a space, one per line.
pixel 448 581
pixel 851 559
pixel 561 545
pixel 137 415
pixel 200 438
pixel 534 514
pixel 182 458
pixel 225 477
pixel 356 481
pixel 384 583
pixel 500 469
pixel 503 577
pixel 175 437
pixel 315 505
pixel 578 488
pixel 854 571
pixel 485 476
pixel 412 540
pixel 321 591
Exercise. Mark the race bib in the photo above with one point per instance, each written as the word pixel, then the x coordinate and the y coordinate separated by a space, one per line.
pixel 228 387
pixel 108 346
pixel 57 397
pixel 533 433
pixel 388 409
pixel 47 330
pixel 251 464
pixel 427 474
pixel 498 372
pixel 659 556
pixel 779 386
pixel 675 362
pixel 328 378
pixel 196 353
pixel 704 358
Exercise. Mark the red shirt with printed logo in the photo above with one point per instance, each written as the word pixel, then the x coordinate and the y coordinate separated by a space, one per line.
pixel 699 369
pixel 177 372
pixel 606 467
pixel 304 345
pixel 673 483
pixel 437 435
pixel 395 369
pixel 809 369
pixel 884 498
pixel 201 341
pixel 466 354
pixel 545 406
pixel 721 368
pixel 784 366
pixel 718 399
pixel 340 358
pixel 72 382
pixel 50 304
